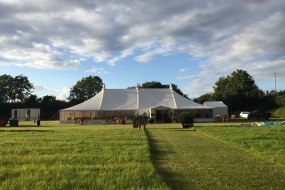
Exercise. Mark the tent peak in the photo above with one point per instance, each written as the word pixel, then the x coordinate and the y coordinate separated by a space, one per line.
pixel 170 86
pixel 137 87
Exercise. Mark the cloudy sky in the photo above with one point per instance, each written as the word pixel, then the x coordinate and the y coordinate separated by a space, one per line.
pixel 190 43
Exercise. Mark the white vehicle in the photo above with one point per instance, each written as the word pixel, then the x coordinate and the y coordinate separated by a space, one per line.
pixel 244 114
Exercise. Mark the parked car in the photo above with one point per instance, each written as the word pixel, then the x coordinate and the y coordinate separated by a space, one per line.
pixel 258 114
pixel 244 114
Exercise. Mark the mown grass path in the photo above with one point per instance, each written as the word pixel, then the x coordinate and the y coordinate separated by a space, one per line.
pixel 192 159
pixel 265 142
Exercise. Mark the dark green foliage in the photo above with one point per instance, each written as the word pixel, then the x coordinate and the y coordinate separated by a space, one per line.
pixel 279 112
pixel 140 120
pixel 14 89
pixel 186 119
pixel 5 85
pixel 156 84
pixel 280 105
pixel 151 120
pixel 238 91
pixel 152 84
pixel 280 100
pixel 85 89
pixel 48 105
pixel 176 89
pixel 205 97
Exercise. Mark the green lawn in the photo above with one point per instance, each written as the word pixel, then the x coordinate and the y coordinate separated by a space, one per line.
pixel 267 143
pixel 209 156
pixel 76 157
pixel 219 157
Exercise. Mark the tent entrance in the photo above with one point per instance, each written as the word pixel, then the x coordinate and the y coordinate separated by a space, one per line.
pixel 163 115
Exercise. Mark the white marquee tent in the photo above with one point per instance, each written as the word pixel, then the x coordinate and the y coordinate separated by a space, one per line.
pixel 219 108
pixel 112 103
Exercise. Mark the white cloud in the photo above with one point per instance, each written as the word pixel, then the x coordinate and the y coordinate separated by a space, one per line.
pixel 39 87
pixel 199 86
pixel 43 90
pixel 183 77
pixel 227 34
pixel 123 55
pixel 97 70
pixel 63 95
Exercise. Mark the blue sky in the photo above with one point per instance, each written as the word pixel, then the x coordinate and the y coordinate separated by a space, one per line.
pixel 188 43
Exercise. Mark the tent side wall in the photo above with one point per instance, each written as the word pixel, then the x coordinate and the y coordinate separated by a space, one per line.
pixel 198 113
pixel 67 116
pixel 220 111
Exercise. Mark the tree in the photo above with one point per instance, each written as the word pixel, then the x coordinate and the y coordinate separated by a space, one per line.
pixel 14 89
pixel 153 84
pixel 5 81
pixel 238 91
pixel 176 89
pixel 280 100
pixel 85 88
pixel 50 106
pixel 48 99
pixel 32 101
pixel 205 97
pixel 156 84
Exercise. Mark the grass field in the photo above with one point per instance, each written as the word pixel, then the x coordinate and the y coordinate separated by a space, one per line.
pixel 76 157
pixel 267 143
pixel 214 157
pixel 210 156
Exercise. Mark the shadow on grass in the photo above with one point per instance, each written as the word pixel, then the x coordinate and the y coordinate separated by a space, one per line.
pixel 225 126
pixel 26 131
pixel 173 129
pixel 158 157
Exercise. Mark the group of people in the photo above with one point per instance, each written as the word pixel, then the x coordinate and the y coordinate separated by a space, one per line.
pixel 79 121
pixel 120 120
pixel 222 118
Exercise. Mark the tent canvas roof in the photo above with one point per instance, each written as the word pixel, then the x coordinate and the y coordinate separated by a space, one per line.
pixel 215 104
pixel 135 99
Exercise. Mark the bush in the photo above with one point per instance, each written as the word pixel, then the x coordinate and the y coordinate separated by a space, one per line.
pixel 151 120
pixel 186 119
pixel 140 120
pixel 279 113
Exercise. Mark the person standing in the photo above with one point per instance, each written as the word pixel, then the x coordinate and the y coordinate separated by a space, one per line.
pixel 38 121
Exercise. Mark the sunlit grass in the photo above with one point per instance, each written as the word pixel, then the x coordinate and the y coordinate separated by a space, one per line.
pixel 267 142
pixel 207 158
pixel 57 156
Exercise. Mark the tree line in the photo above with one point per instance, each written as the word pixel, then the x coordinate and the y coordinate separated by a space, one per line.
pixel 237 90
pixel 240 93
pixel 17 92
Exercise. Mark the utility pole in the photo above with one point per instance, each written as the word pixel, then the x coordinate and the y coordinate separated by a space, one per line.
pixel 275 82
